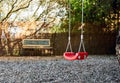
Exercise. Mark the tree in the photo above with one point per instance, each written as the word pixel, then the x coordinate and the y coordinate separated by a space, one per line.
pixel 42 14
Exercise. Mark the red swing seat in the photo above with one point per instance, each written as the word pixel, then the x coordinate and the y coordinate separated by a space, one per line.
pixel 70 56
pixel 81 55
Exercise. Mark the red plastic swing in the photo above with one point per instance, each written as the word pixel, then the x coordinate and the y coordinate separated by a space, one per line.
pixel 78 56
pixel 81 55
pixel 70 56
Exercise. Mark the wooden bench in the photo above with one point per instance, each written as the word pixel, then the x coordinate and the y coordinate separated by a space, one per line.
pixel 36 46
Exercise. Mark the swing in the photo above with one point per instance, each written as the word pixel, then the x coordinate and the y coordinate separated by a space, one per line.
pixel 69 55
pixel 80 55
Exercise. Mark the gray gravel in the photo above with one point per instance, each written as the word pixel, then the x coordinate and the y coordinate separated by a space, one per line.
pixel 95 69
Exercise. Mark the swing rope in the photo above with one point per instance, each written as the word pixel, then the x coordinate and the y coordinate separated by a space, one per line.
pixel 69 36
pixel 82 31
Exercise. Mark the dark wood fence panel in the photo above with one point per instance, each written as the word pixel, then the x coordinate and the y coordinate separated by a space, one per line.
pixel 102 43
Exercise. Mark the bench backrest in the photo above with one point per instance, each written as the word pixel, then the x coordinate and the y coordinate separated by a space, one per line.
pixel 36 43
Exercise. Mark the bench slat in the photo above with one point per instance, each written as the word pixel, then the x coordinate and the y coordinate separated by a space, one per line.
pixel 41 47
pixel 40 43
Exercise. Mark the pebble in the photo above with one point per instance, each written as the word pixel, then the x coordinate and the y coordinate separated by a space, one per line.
pixel 95 69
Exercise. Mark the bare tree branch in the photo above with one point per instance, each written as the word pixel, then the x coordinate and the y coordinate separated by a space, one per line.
pixel 9 13
pixel 43 25
pixel 1 1
pixel 12 10
pixel 37 9
pixel 16 16
pixel 22 7
pixel 44 12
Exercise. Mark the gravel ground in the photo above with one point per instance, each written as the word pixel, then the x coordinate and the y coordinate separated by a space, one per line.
pixel 95 69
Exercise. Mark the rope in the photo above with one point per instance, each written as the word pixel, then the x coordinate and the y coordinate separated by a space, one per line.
pixel 69 36
pixel 81 37
pixel 69 19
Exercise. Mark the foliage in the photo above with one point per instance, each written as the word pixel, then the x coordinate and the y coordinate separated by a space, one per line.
pixel 95 12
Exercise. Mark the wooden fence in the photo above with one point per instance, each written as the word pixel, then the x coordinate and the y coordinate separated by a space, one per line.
pixel 102 43
pixel 98 44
